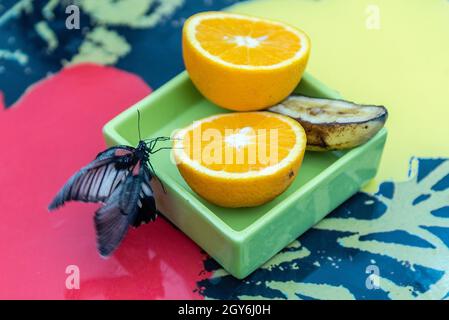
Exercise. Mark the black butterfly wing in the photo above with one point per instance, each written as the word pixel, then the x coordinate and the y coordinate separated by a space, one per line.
pixel 98 180
pixel 111 224
pixel 137 199
pixel 147 211
pixel 132 203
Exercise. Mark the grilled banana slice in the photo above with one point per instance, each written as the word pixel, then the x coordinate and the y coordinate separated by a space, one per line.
pixel 333 124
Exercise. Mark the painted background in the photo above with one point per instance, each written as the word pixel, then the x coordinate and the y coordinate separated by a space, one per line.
pixel 58 87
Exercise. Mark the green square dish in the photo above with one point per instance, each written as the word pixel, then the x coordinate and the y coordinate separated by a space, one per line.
pixel 241 240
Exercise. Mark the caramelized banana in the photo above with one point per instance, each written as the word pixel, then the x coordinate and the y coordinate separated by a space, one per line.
pixel 333 124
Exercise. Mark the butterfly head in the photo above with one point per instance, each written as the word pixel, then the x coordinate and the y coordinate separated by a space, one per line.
pixel 143 151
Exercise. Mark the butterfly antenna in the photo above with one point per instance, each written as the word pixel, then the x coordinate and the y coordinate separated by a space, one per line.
pixel 138 123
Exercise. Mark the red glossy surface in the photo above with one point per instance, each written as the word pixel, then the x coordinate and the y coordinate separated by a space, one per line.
pixel 49 134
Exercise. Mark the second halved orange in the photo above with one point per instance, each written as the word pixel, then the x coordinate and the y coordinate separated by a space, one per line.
pixel 240 159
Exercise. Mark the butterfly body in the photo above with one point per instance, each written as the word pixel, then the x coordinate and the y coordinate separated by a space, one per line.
pixel 119 178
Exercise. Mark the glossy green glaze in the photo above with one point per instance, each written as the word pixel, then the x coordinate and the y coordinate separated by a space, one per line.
pixel 241 240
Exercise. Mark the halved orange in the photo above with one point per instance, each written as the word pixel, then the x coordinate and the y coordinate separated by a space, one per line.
pixel 240 159
pixel 243 63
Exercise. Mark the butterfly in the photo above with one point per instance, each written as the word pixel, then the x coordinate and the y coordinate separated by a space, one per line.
pixel 119 178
